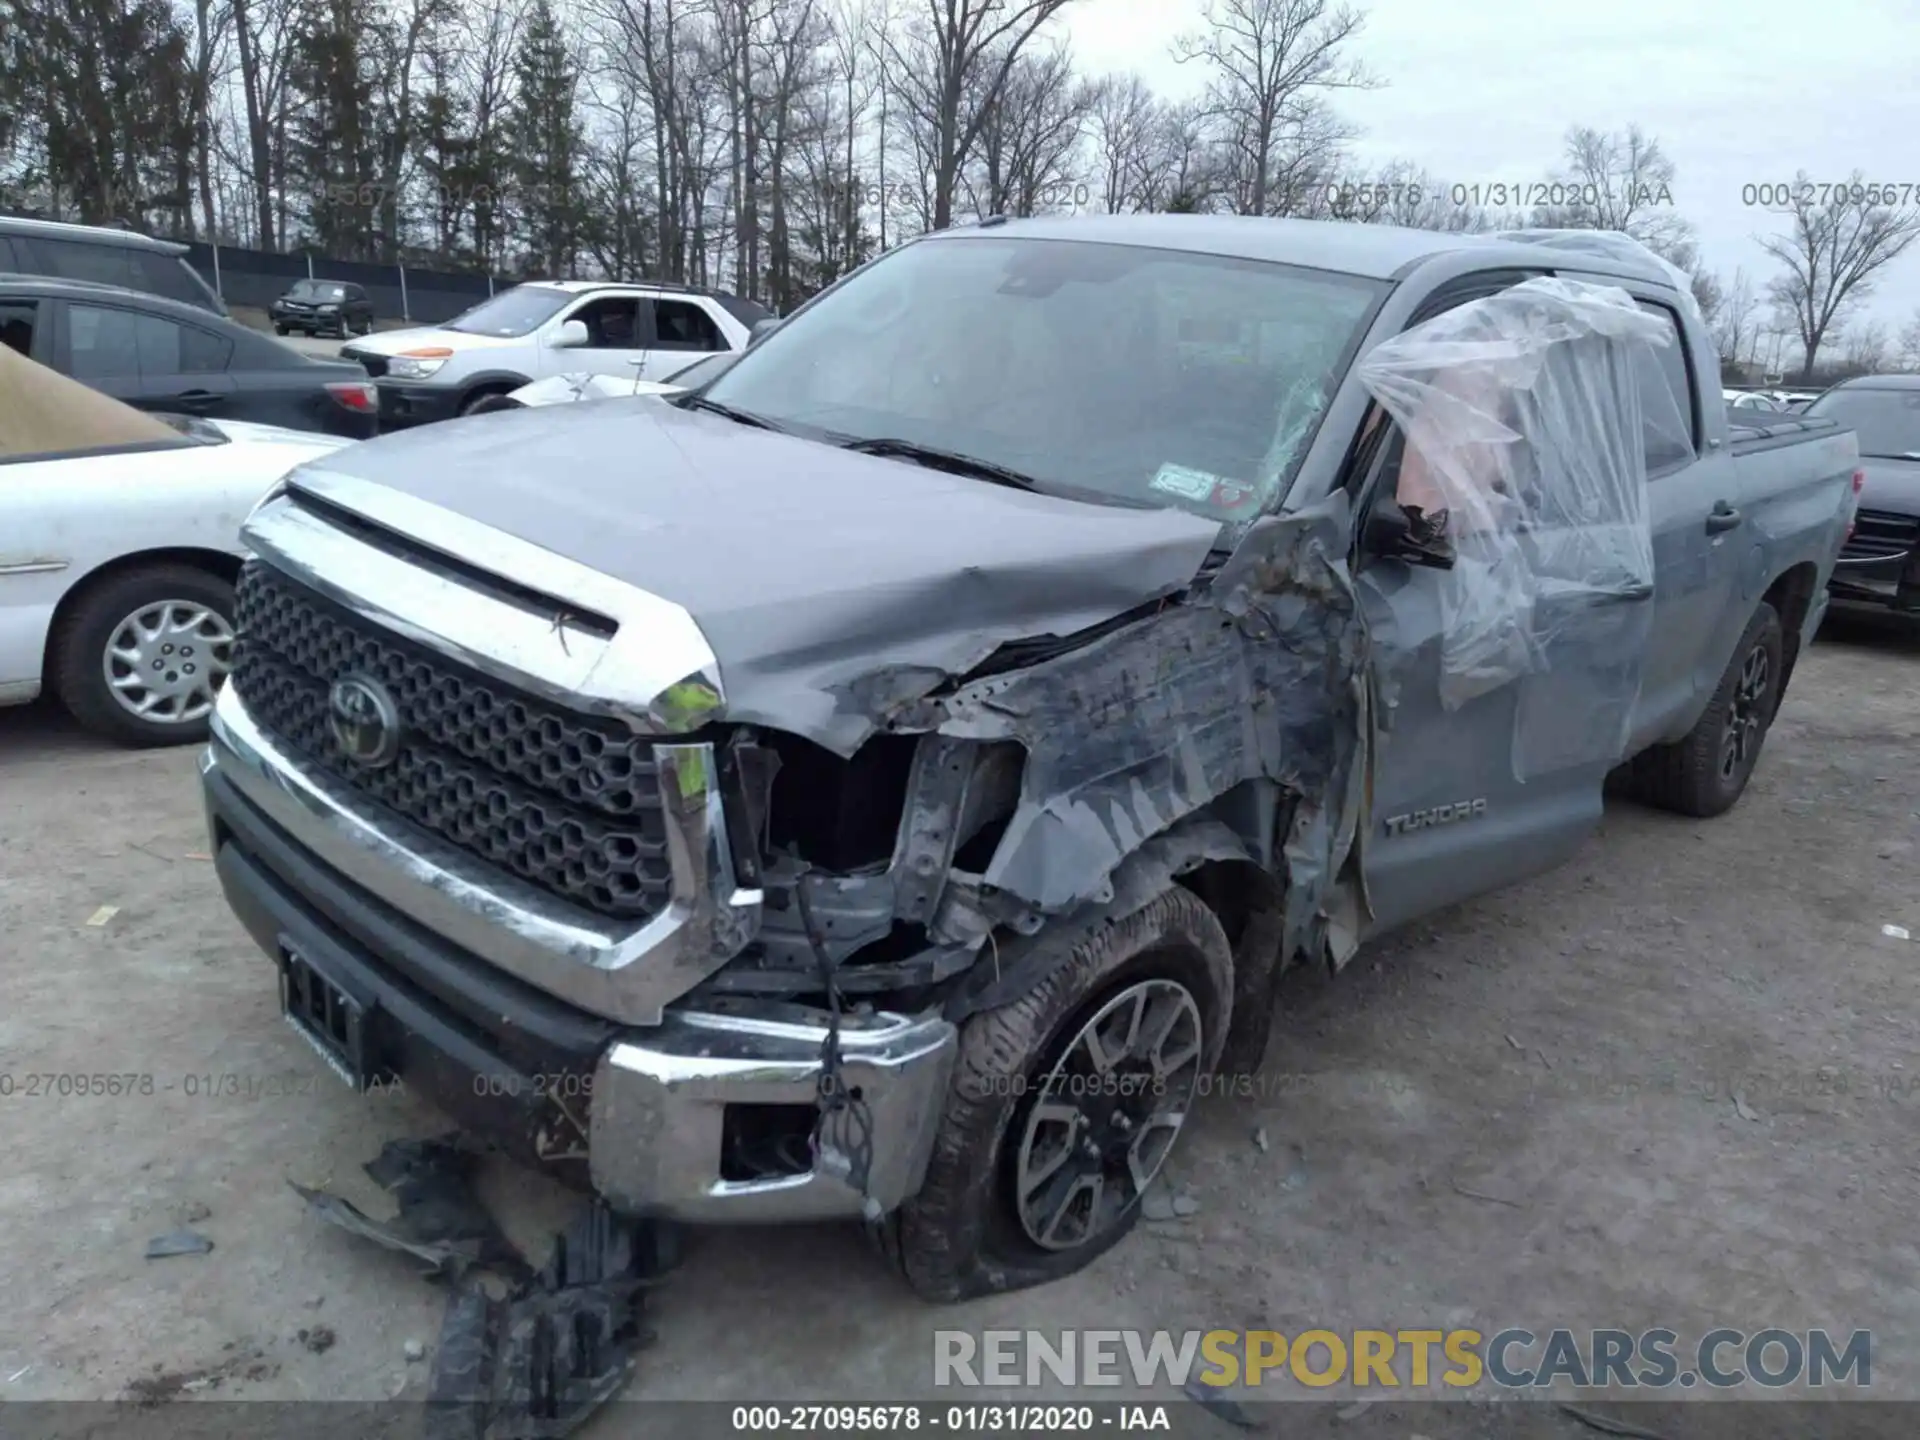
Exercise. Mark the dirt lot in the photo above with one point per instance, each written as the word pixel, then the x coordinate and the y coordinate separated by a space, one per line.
pixel 1594 1100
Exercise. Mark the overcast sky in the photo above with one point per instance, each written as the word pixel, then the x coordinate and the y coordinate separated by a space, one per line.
pixel 1738 94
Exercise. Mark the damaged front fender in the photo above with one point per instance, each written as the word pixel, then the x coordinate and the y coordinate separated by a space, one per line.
pixel 1258 676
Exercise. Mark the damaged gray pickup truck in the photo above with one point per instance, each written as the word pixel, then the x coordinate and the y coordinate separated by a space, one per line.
pixel 888 781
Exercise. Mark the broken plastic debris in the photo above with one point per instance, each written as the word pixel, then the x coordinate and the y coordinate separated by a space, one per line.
pixel 103 915
pixel 542 1360
pixel 440 1221
pixel 178 1242
pixel 16 1375
pixel 1896 932
pixel 1741 1108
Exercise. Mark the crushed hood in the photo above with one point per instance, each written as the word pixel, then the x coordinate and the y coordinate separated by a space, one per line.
pixel 832 586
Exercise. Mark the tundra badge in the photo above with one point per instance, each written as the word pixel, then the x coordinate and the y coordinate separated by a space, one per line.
pixel 1438 815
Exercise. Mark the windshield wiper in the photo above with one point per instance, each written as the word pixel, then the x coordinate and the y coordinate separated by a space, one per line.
pixel 935 458
pixel 739 417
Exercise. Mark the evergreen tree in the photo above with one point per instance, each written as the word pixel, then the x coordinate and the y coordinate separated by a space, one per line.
pixel 547 144
pixel 332 154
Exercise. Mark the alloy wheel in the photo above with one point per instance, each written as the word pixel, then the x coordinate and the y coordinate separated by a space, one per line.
pixel 1747 715
pixel 164 662
pixel 1108 1113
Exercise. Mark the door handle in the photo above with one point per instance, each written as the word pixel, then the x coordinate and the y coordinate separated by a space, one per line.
pixel 196 400
pixel 1722 517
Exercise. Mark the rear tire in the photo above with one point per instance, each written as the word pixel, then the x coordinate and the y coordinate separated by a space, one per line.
pixel 111 653
pixel 1705 773
pixel 968 1232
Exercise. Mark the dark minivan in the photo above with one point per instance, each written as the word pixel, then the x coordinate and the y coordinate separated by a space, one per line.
pixel 316 307
pixel 104 256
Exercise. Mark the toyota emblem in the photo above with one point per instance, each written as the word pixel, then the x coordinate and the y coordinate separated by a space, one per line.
pixel 364 720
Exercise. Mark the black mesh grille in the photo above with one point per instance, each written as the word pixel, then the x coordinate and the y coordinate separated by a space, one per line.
pixel 1881 534
pixel 568 802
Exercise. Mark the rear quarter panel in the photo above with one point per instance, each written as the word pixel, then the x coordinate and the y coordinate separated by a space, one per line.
pixel 1797 492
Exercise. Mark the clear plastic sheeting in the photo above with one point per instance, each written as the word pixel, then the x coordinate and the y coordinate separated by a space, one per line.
pixel 1527 416
pixel 1613 245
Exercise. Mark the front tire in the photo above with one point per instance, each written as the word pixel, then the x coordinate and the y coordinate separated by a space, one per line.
pixel 1705 773
pixel 1120 1033
pixel 279 329
pixel 139 658
pixel 483 401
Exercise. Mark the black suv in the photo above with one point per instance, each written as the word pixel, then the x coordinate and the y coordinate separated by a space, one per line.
pixel 103 256
pixel 317 306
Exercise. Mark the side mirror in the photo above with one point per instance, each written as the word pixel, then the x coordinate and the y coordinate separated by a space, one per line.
pixel 571 335
pixel 1404 533
pixel 762 328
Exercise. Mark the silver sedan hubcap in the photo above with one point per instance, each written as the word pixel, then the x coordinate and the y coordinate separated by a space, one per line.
pixel 1108 1113
pixel 165 661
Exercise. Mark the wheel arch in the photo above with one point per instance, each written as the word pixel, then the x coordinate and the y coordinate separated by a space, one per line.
pixel 489 382
pixel 219 563
pixel 1791 595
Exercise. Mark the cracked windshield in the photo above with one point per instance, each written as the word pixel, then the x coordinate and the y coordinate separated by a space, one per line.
pixel 1111 372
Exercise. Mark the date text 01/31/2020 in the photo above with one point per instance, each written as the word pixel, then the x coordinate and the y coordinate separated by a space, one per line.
pixel 1015 1419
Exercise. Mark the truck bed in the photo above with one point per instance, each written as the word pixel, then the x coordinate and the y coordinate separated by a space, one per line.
pixel 1758 430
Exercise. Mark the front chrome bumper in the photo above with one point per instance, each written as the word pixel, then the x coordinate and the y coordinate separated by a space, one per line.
pixel 660 1101
pixel 304 869
pixel 615 971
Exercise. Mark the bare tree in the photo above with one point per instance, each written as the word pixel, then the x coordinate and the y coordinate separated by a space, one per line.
pixel 1908 352
pixel 1029 136
pixel 948 71
pixel 1734 328
pixel 1867 348
pixel 263 35
pixel 1270 64
pixel 1126 136
pixel 1615 180
pixel 209 62
pixel 1836 246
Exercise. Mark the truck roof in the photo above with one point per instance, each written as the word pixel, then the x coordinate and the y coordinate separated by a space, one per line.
pixel 1379 252
pixel 1880 382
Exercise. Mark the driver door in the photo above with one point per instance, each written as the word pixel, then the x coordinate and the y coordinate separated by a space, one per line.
pixel 1504 784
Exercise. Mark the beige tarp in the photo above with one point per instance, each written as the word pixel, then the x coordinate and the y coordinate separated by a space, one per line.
pixel 43 413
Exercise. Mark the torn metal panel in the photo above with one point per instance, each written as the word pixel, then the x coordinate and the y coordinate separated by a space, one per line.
pixel 1260 674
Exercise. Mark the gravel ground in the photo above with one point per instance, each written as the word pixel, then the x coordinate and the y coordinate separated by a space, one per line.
pixel 1664 1085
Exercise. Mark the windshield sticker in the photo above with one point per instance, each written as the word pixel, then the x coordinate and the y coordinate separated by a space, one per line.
pixel 1187 483
pixel 1230 495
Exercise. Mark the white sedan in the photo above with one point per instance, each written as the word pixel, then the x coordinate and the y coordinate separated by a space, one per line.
pixel 119 546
